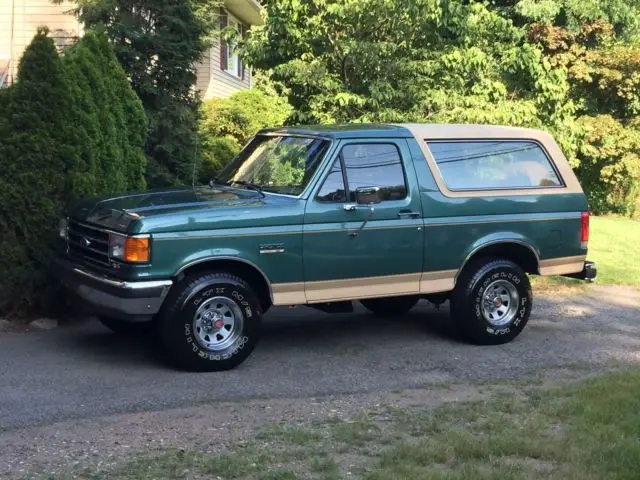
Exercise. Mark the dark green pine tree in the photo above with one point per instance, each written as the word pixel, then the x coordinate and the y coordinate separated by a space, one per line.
pixel 40 137
pixel 113 116
pixel 158 43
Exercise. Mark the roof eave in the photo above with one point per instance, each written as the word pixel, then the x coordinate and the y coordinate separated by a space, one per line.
pixel 248 11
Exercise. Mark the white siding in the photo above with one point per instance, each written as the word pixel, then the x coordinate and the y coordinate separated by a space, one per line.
pixel 212 81
pixel 20 19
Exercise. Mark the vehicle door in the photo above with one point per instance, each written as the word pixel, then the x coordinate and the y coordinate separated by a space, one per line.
pixel 363 231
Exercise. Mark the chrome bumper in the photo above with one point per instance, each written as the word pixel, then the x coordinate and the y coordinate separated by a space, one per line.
pixel 134 301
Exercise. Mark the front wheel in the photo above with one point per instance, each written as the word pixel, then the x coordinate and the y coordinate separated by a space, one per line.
pixel 391 306
pixel 211 322
pixel 492 301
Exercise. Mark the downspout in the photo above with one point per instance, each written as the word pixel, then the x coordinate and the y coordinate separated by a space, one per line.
pixel 13 21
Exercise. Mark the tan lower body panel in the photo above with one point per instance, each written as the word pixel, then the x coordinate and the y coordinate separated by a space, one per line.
pixel 365 287
pixel 562 265
pixel 299 293
pixel 440 281
pixel 288 293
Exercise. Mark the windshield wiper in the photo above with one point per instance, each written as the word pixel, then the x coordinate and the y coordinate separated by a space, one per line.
pixel 251 186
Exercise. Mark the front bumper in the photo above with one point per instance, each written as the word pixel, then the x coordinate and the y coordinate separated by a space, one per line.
pixel 134 301
pixel 588 273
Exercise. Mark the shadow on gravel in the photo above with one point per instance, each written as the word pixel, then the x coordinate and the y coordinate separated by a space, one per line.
pixel 105 346
pixel 601 325
pixel 307 324
pixel 283 329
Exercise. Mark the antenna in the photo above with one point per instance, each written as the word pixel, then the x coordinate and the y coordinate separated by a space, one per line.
pixel 195 162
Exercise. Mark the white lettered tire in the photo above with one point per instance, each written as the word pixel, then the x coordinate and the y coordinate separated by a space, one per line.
pixel 492 301
pixel 210 322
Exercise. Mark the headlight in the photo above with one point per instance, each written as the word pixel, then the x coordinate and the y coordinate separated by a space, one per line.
pixel 129 249
pixel 63 228
pixel 116 246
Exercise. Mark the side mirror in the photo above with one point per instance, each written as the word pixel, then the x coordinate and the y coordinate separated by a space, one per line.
pixel 368 195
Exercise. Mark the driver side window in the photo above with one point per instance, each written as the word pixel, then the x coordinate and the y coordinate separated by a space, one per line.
pixel 365 165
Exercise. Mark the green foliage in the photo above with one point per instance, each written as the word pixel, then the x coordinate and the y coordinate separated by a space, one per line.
pixel 538 63
pixel 623 15
pixel 70 128
pixel 229 123
pixel 425 61
pixel 158 43
pixel 610 166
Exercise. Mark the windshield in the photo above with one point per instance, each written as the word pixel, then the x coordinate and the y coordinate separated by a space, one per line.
pixel 277 164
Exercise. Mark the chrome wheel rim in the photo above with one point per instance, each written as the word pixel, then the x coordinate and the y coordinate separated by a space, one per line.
pixel 217 323
pixel 500 302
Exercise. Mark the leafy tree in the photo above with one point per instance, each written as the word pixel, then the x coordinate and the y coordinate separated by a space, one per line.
pixel 610 164
pixel 536 63
pixel 622 15
pixel 158 43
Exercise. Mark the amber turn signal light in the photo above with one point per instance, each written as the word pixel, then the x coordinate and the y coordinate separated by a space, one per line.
pixel 136 249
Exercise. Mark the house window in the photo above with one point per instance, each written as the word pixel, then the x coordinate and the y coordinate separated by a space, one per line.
pixel 230 61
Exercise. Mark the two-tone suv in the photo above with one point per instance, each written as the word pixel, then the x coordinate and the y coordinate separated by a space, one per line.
pixel 323 216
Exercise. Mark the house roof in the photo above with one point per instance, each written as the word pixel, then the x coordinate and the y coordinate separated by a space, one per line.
pixel 249 11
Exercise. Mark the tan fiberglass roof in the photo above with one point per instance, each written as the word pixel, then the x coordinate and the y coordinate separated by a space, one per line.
pixel 423 132
pixel 433 131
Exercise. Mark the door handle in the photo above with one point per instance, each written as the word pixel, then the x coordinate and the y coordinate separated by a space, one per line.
pixel 408 214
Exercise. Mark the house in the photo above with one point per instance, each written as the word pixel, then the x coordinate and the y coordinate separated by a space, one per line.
pixel 219 74
pixel 19 20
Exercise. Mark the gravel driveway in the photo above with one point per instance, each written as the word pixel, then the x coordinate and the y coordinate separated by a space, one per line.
pixel 83 372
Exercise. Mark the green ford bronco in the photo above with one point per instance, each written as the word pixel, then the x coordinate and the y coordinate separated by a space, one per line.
pixel 323 216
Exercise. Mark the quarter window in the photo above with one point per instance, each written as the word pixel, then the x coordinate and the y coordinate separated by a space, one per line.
pixel 366 165
pixel 333 189
pixel 479 165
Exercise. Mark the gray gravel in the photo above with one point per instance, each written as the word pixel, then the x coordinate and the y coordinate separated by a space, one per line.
pixel 84 371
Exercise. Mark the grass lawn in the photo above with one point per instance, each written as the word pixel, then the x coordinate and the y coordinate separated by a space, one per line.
pixel 586 430
pixel 614 244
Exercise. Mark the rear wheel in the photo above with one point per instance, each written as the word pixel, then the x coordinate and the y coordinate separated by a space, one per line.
pixel 391 306
pixel 210 322
pixel 124 327
pixel 492 301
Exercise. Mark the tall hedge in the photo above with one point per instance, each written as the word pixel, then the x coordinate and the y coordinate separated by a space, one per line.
pixel 114 119
pixel 65 134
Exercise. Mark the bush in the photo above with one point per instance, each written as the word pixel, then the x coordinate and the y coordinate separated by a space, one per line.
pixel 217 152
pixel 69 128
pixel 230 122
pixel 609 167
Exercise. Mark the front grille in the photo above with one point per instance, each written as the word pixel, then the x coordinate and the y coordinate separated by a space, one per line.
pixel 88 243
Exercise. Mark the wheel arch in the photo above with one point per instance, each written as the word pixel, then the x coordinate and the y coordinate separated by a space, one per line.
pixel 245 269
pixel 519 251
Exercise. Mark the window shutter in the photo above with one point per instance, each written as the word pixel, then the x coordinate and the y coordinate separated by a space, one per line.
pixel 224 58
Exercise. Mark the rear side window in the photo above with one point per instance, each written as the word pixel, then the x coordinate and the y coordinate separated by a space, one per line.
pixel 479 165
